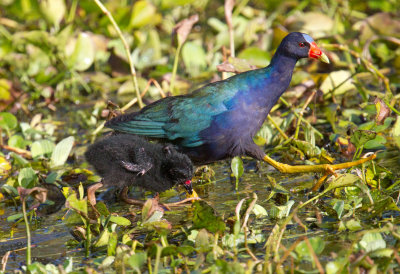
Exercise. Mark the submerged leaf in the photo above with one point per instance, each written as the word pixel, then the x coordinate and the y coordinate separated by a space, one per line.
pixel 204 216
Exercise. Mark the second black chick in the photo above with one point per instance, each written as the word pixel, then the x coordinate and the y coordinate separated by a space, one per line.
pixel 124 160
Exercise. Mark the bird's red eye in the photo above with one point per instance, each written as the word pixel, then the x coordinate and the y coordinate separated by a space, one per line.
pixel 302 45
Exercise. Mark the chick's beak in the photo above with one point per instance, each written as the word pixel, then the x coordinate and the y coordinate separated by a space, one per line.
pixel 316 53
pixel 188 187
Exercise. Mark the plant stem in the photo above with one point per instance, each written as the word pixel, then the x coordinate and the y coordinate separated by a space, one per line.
pixel 296 134
pixel 72 11
pixel 28 234
pixel 158 256
pixel 277 127
pixel 127 50
pixel 175 68
pixel 88 239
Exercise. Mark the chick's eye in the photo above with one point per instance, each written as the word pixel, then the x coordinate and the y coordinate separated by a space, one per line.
pixel 302 45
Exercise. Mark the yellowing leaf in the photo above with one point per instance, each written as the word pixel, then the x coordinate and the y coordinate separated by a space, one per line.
pixel 338 81
pixel 5 166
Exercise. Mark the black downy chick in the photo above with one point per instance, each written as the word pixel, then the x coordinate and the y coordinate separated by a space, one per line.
pixel 124 160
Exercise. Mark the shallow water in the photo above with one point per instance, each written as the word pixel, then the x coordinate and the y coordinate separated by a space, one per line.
pixel 50 234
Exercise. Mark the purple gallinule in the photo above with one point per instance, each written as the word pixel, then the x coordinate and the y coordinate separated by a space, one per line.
pixel 219 120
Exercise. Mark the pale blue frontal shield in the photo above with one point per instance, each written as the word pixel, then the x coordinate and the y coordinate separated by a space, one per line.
pixel 307 38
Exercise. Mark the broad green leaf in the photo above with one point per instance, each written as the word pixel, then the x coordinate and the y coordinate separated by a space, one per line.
pixel 307 148
pixel 53 10
pixel 103 238
pixel 302 250
pixel 14 217
pixel 203 242
pixel 360 137
pixel 137 260
pixel 61 152
pixel 259 211
pixel 338 207
pixel 194 57
pixel 17 141
pixel 81 52
pixel 120 220
pixel 42 147
pixel 27 177
pixel 372 241
pixel 255 56
pixel 352 225
pixel 8 121
pixel 112 244
pixel 280 212
pixel 376 143
pixel 338 81
pixel 144 13
pixel 204 216
pixel 237 167
pixel 343 181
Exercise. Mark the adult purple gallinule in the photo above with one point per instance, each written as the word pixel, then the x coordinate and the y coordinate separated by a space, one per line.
pixel 219 120
pixel 124 160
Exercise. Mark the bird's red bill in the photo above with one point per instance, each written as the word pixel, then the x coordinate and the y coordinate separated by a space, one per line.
pixel 314 52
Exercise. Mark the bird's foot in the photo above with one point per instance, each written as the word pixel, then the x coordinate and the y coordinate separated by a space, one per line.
pixel 326 169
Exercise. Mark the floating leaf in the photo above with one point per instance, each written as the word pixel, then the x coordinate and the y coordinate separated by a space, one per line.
pixel 8 121
pixel 280 212
pixel 303 251
pixel 343 181
pixel 61 152
pixel 372 241
pixel 259 211
pixel 152 211
pixel 17 141
pixel 204 216
pixel 27 177
pixel 42 147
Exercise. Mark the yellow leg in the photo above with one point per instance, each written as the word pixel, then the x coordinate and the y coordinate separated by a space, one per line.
pixel 324 168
